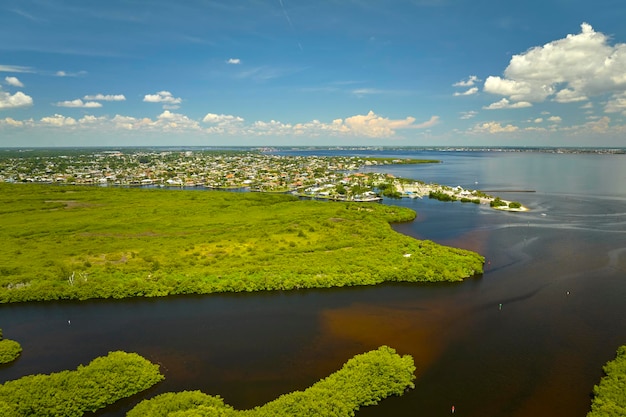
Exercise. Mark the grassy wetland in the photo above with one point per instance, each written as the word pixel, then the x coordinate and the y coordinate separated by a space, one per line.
pixel 72 242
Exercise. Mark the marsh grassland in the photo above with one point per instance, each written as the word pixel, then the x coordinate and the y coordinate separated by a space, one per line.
pixel 72 242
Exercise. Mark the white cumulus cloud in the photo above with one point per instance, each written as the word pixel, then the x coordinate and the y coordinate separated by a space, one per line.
pixel 234 61
pixel 569 96
pixel 125 122
pixel 162 97
pixel 9 121
pixel 13 81
pixel 175 121
pixel 370 125
pixel 468 92
pixel 221 118
pixel 165 122
pixel 19 99
pixel 79 104
pixel 90 120
pixel 471 80
pixel 617 104
pixel 506 104
pixel 107 97
pixel 373 125
pixel 494 127
pixel 58 120
pixel 566 70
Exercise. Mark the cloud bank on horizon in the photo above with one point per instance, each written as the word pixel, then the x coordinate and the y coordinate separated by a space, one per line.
pixel 296 76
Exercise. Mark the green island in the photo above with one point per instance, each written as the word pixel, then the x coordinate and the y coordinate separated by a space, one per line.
pixel 362 381
pixel 9 349
pixel 609 397
pixel 102 382
pixel 76 242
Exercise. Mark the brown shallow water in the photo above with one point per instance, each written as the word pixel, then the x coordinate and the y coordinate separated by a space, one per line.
pixel 558 272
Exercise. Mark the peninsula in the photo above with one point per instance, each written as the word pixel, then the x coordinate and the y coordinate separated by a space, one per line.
pixel 77 242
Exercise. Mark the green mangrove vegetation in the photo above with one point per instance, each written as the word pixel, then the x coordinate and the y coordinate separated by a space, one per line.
pixel 76 242
pixel 399 161
pixel 364 380
pixel 441 196
pixel 609 396
pixel 498 203
pixel 102 382
pixel 9 349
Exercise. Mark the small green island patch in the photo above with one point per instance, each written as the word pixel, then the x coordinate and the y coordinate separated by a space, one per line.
pixel 364 380
pixel 91 387
pixel 10 350
pixel 77 242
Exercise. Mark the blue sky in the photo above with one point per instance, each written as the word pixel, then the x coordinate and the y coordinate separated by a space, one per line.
pixel 315 73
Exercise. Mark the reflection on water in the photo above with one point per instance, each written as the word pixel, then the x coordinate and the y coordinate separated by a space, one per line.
pixel 529 337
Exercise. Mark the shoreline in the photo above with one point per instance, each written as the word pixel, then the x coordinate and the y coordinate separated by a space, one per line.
pixel 458 193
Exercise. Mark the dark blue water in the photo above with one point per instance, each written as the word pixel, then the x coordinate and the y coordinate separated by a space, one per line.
pixel 528 338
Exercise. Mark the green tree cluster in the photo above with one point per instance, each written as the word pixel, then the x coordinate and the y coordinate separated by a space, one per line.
pixel 609 398
pixel 441 196
pixel 364 380
pixel 388 189
pixel 71 242
pixel 497 203
pixel 9 349
pixel 470 200
pixel 72 393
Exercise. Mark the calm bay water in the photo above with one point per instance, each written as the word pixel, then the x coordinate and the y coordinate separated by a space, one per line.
pixel 528 338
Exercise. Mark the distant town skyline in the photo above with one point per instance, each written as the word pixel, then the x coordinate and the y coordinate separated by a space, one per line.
pixel 321 73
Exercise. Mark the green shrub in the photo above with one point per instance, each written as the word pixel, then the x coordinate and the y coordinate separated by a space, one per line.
pixel 609 398
pixel 178 404
pixel 515 205
pixel 497 202
pixel 73 393
pixel 9 350
pixel 441 196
